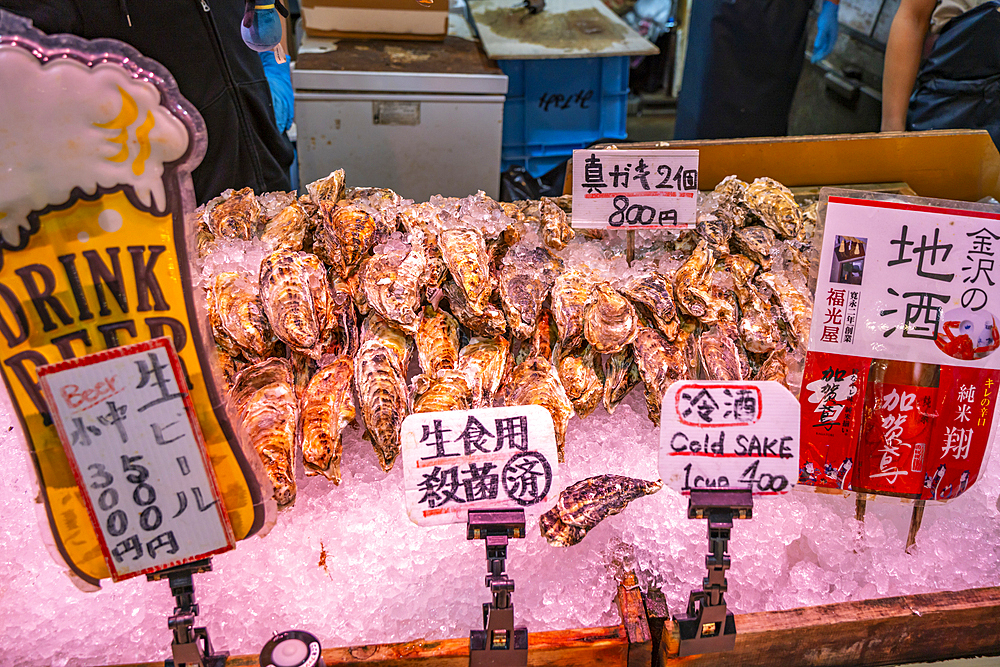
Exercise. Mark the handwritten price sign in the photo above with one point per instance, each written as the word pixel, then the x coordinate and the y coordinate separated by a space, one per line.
pixel 635 189
pixel 491 458
pixel 729 434
pixel 130 433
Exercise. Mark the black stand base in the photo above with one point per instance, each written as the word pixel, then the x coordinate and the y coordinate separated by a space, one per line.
pixel 191 646
pixel 499 644
pixel 700 635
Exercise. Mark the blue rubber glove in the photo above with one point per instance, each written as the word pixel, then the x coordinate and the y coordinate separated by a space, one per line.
pixel 261 27
pixel 279 78
pixel 826 31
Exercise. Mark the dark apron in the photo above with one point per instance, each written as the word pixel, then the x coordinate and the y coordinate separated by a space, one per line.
pixel 958 86
pixel 743 63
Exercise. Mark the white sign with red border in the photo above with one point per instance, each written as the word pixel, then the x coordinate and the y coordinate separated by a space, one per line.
pixel 490 458
pixel 635 189
pixel 130 433
pixel 729 434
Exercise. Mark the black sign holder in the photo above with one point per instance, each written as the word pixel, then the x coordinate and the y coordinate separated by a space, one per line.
pixel 708 627
pixel 191 646
pixel 499 644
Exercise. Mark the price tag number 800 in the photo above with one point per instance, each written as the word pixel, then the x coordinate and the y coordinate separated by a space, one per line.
pixel 639 214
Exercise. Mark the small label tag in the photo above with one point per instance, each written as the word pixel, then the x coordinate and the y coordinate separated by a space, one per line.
pixel 396 113
pixel 729 434
pixel 129 429
pixel 635 189
pixel 491 458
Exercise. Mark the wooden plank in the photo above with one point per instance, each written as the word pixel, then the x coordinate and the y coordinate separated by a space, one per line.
pixel 899 630
pixel 564 29
pixel 633 615
pixel 602 647
pixel 949 164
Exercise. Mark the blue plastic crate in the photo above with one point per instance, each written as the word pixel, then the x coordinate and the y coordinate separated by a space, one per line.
pixel 556 105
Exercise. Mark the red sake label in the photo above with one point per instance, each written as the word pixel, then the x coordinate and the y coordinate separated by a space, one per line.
pixel 832 402
pixel 961 431
pixel 894 440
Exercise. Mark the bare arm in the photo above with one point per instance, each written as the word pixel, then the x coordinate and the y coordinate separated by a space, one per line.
pixel 902 60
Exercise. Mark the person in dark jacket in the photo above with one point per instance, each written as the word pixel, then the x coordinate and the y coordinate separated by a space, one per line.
pixel 199 42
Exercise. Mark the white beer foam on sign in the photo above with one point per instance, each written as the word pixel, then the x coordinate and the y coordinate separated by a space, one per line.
pixel 64 125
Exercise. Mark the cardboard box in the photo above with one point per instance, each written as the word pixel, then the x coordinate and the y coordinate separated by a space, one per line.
pixel 381 19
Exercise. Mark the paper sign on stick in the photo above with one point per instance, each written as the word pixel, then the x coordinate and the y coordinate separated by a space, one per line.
pixel 490 458
pixel 635 189
pixel 130 432
pixel 729 434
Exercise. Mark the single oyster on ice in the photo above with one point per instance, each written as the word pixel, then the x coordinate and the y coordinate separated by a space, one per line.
pixel 447 389
pixel 525 279
pixel 758 323
pixel 236 217
pixel 327 190
pixel 381 385
pixel 325 408
pixel 265 400
pixel 376 327
pixel 720 355
pixel 621 375
pixel 582 377
pixel 391 281
pixel 775 205
pixel 775 368
pixel 437 341
pixel 692 282
pixel 237 317
pixel 386 203
pixel 345 235
pixel 795 305
pixel 297 300
pixel 652 290
pixel 570 292
pixel 756 242
pixel 715 229
pixel 661 363
pixel 583 505
pixel 287 230
pixel 536 382
pixel 555 225
pixel 609 319
pixel 485 362
pixel 464 251
pixel 489 324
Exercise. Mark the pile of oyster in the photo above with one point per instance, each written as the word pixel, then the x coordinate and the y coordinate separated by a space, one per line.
pixel 502 302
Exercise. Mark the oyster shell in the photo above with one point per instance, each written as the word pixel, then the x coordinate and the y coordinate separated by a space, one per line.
pixel 570 292
pixel 391 281
pixel 325 408
pixel 756 242
pixel 386 203
pixel 555 225
pixel 380 382
pixel 437 341
pixel 265 400
pixel 795 305
pixel 345 235
pixel 485 362
pixel 376 327
pixel 775 367
pixel 542 341
pixel 288 229
pixel 758 323
pixel 720 355
pixel 775 205
pixel 238 216
pixel 327 190
pixel 609 319
pixel 525 279
pixel 297 300
pixel 536 382
pixel 582 377
pixel 464 251
pixel 729 198
pixel 622 374
pixel 715 229
pixel 692 282
pixel 652 290
pixel 489 324
pixel 237 317
pixel 583 505
pixel 661 363
pixel 447 389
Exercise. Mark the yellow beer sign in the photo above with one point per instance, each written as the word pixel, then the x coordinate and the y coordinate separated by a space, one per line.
pixel 97 149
